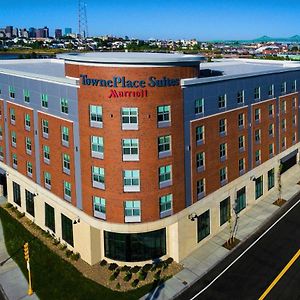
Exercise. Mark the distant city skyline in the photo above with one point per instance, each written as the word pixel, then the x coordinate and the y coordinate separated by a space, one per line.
pixel 217 20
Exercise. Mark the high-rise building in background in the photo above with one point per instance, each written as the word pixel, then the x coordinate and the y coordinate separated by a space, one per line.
pixel 68 31
pixel 9 31
pixel 32 32
pixel 58 33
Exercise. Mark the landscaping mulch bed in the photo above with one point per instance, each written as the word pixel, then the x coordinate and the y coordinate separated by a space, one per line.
pixel 231 244
pixel 102 273
pixel 279 202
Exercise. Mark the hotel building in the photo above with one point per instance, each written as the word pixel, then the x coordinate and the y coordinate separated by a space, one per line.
pixel 130 157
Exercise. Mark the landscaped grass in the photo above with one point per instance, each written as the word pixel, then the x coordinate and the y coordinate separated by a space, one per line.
pixel 53 277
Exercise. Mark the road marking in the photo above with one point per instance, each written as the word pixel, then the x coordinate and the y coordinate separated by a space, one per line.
pixel 245 251
pixel 284 270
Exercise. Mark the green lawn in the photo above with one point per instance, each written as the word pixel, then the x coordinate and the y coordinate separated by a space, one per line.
pixel 53 277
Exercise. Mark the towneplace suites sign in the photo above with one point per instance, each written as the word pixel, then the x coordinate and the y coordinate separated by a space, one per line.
pixel 139 87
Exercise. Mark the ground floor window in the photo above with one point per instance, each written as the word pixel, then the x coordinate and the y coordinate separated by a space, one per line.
pixel 203 225
pixel 17 193
pixel 67 230
pixel 224 210
pixel 259 187
pixel 240 200
pixel 29 202
pixel 271 178
pixel 135 246
pixel 49 217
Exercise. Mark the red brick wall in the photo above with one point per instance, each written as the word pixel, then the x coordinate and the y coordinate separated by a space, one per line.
pixel 21 133
pixel 147 134
pixel 211 149
pixel 55 168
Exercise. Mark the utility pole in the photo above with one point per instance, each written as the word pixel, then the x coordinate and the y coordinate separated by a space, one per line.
pixel 82 20
pixel 26 256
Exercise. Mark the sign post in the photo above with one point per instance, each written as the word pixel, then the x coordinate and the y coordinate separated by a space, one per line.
pixel 26 256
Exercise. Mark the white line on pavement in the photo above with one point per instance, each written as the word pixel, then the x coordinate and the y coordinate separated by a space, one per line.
pixel 245 251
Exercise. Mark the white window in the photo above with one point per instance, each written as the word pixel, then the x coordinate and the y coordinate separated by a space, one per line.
pixel 257 115
pixel 257 93
pixel 200 188
pixel 96 116
pixel 241 166
pixel 165 205
pixel 271 150
pixel 240 96
pixel 165 176
pixel 130 118
pixel 15 161
pixel 271 130
pixel 45 128
pixel 222 127
pixel 27 122
pixel 12 92
pixel 12 116
pixel 223 151
pixel 130 149
pixel 241 143
pixel 283 87
pixel 44 100
pixel 1 133
pixel 29 168
pixel 131 180
pixel 1 153
pixel 283 143
pixel 67 191
pixel 241 120
pixel 222 101
pixel 294 86
pixel 163 116
pixel 257 136
pixel 132 211
pixel 47 180
pixel 199 106
pixel 28 145
pixel 200 135
pixel 223 175
pixel 97 147
pixel 99 207
pixel 46 151
pixel 271 90
pixel 26 96
pixel 98 177
pixel 200 161
pixel 14 139
pixel 283 124
pixel 164 146
pixel 65 136
pixel 271 110
pixel 64 106
pixel 66 163
pixel 257 157
pixel 283 106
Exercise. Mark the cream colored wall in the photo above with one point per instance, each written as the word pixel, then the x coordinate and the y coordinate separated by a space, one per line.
pixel 181 231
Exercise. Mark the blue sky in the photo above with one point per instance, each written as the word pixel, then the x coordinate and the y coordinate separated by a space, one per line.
pixel 204 20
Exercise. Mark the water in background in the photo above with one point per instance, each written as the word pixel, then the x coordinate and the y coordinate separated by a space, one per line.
pixel 9 56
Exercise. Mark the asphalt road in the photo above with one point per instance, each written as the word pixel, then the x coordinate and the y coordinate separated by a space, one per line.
pixel 252 274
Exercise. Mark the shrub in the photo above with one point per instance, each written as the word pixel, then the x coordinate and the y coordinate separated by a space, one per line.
pixel 147 267
pixel 55 242
pixel 159 265
pixel 8 205
pixel 127 277
pixel 103 263
pixel 112 266
pixel 165 265
pixel 157 275
pixel 75 256
pixel 20 215
pixel 125 269
pixel 135 269
pixel 62 246
pixel 142 275
pixel 135 282
pixel 169 260
pixel 154 268
pixel 118 286
pixel 69 253
pixel 114 275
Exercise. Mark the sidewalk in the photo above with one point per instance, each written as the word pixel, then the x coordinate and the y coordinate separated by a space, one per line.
pixel 199 262
pixel 12 281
